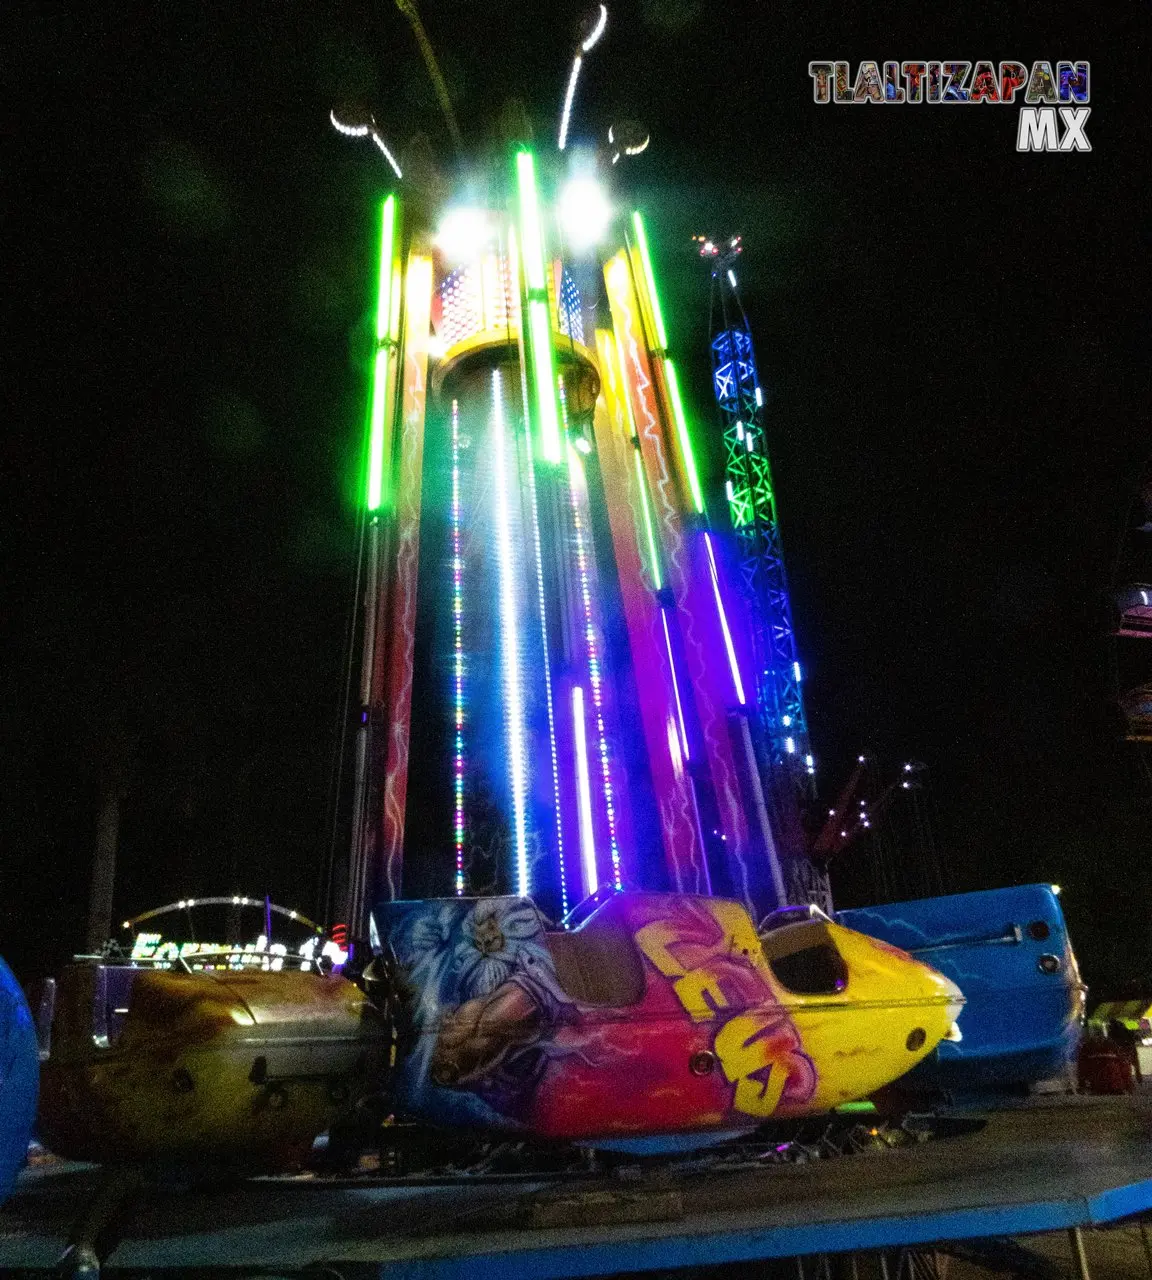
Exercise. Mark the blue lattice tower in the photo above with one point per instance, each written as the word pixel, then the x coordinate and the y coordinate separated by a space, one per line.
pixel 782 723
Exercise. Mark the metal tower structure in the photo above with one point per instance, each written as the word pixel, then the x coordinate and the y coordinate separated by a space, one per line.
pixel 756 528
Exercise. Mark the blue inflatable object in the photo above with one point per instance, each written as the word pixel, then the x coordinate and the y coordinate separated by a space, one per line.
pixel 1008 951
pixel 19 1079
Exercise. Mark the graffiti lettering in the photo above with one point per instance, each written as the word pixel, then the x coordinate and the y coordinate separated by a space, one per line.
pixel 745 1045
pixel 756 1050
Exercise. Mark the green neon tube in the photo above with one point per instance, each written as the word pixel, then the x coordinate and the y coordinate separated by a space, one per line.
pixel 669 367
pixel 682 432
pixel 531 232
pixel 387 320
pixel 544 378
pixel 539 326
pixel 650 279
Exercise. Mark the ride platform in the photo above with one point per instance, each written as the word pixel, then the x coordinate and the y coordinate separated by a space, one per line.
pixel 1049 1165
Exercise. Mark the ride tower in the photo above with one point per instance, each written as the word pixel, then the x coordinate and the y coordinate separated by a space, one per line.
pixel 556 689
pixel 784 747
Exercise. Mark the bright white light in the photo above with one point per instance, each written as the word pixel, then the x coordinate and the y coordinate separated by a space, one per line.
pixel 582 443
pixel 513 695
pixel 759 398
pixel 785 721
pixel 809 762
pixel 598 30
pixel 796 671
pixel 585 213
pixel 463 234
pixel 789 745
pixel 732 277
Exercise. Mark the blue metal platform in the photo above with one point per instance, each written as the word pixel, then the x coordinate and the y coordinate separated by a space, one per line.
pixel 1042 1167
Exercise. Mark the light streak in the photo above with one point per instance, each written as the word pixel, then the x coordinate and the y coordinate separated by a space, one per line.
pixel 457 655
pixel 578 491
pixel 539 324
pixel 384 336
pixel 728 645
pixel 510 642
pixel 682 431
pixel 584 794
pixel 566 113
pixel 675 686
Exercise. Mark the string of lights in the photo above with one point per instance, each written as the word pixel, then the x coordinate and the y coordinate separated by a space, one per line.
pixel 577 488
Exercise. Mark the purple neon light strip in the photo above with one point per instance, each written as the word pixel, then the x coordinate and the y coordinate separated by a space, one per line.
pixel 457 655
pixel 733 666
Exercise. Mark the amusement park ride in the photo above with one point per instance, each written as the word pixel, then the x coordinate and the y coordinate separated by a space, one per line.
pixel 611 734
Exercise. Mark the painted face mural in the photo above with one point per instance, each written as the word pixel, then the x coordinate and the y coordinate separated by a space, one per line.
pixel 660 1013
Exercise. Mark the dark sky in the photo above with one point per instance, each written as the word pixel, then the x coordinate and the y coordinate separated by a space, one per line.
pixel 953 338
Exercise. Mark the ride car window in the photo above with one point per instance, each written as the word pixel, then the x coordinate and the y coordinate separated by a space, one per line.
pixel 805 960
pixel 598 964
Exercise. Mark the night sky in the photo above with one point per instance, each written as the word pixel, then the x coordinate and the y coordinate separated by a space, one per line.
pixel 952 337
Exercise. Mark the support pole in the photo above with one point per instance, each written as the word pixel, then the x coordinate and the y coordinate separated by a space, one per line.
pixel 1079 1257
pixel 100 896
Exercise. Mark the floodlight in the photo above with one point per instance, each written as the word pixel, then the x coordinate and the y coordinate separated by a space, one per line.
pixel 584 213
pixel 464 233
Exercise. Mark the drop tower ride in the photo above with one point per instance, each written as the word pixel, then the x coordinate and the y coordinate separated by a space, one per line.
pixel 558 691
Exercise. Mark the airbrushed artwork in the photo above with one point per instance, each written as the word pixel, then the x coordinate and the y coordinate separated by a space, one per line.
pixel 659 1013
